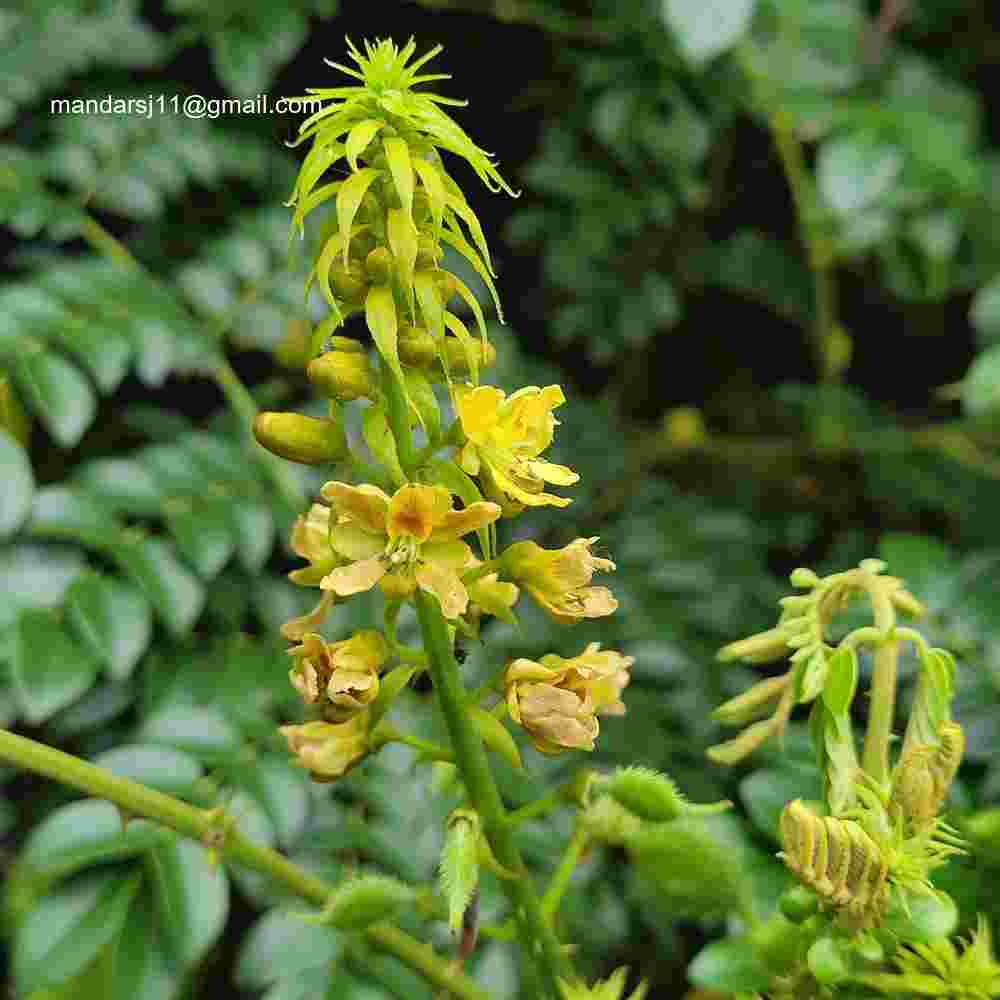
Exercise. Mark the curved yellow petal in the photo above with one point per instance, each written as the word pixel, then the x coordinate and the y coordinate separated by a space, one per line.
pixel 444 584
pixel 354 543
pixel 478 410
pixel 416 509
pixel 355 578
pixel 365 504
pixel 456 523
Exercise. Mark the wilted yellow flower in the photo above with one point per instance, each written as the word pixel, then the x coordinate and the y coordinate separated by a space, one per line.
pixel 295 629
pixel 557 700
pixel 559 579
pixel 340 677
pixel 326 750
pixel 506 436
pixel 409 540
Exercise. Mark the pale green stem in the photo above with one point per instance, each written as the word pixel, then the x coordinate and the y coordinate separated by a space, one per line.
pixel 564 873
pixel 882 695
pixel 206 825
pixel 385 732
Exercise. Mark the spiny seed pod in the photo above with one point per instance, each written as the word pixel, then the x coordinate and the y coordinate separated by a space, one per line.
pixel 342 375
pixel 837 859
pixel 300 438
pixel 365 900
pixel 416 346
pixel 459 868
pixel 378 265
pixel 350 283
pixel 646 794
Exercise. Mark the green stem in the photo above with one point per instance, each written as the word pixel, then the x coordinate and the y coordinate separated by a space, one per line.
pixel 201 825
pixel 385 732
pixel 564 873
pixel 539 807
pixel 882 696
pixel 112 248
pixel 538 938
pixel 484 569
pixel 399 422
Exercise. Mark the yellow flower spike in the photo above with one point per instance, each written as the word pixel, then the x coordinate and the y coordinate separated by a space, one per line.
pixel 412 539
pixel 505 437
pixel 341 678
pixel 557 700
pixel 559 579
pixel 328 751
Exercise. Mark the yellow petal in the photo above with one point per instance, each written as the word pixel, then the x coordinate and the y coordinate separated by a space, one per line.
pixel 416 509
pixel 444 584
pixel 560 475
pixel 452 554
pixel 365 504
pixel 354 578
pixel 296 628
pixel 354 543
pixel 456 523
pixel 478 411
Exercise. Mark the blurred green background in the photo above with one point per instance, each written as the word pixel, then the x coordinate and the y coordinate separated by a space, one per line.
pixel 759 245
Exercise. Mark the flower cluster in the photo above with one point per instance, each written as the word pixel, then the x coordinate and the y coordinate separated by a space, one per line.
pixel 404 524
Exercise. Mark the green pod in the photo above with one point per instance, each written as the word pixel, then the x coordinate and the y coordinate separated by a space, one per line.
pixel 364 901
pixel 798 903
pixel 379 266
pixel 416 346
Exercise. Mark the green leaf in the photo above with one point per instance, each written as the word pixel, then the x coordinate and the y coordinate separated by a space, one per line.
pixel 841 681
pixel 281 945
pixel 358 138
pixel 349 199
pixel 57 392
pixel 283 792
pixel 397 153
pixel 254 535
pixel 67 928
pixel 141 965
pixel 49 670
pixel 34 576
pixel 403 243
pixel 981 385
pixel 18 484
pixel 175 594
pixel 81 835
pixel 421 392
pixel 246 60
pixel 378 437
pixel 707 28
pixel 163 768
pixel 380 315
pixel 984 314
pixel 123 485
pixel 203 731
pixel 732 965
pixel 853 175
pixel 110 618
pixel 191 897
pixel 202 531
pixel 434 186
pixel 766 792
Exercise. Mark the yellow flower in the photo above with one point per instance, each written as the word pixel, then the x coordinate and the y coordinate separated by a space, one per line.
pixel 340 677
pixel 557 700
pixel 559 579
pixel 407 541
pixel 311 540
pixel 326 750
pixel 506 436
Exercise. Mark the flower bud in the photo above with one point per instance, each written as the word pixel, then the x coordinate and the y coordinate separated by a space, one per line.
pixel 803 577
pixel 458 358
pixel 342 375
pixel 429 251
pixel 349 283
pixel 924 775
pixel 365 900
pixel 326 750
pixel 764 647
pixel 798 903
pixel 754 702
pixel 416 346
pixel 379 265
pixel 300 438
pixel 341 678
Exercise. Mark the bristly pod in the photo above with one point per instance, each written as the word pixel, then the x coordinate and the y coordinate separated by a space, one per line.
pixel 363 901
pixel 653 796
pixel 459 866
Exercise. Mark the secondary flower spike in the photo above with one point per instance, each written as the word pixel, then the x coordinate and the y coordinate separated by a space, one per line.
pixel 559 579
pixel 412 539
pixel 505 437
pixel 557 700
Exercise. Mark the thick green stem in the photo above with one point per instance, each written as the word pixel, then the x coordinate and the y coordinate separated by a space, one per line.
pixel 207 824
pixel 537 935
pixel 882 697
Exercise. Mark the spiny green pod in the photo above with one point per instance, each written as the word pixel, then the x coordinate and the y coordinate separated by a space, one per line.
pixel 365 900
pixel 299 438
pixel 653 796
pixel 342 375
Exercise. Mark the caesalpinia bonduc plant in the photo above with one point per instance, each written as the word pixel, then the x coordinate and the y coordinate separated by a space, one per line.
pixel 415 521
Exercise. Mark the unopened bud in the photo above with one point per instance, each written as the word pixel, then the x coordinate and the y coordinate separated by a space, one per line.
pixel 803 577
pixel 924 775
pixel 416 346
pixel 428 251
pixel 764 647
pixel 754 702
pixel 378 266
pixel 342 375
pixel 458 357
pixel 350 283
pixel 364 901
pixel 300 438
